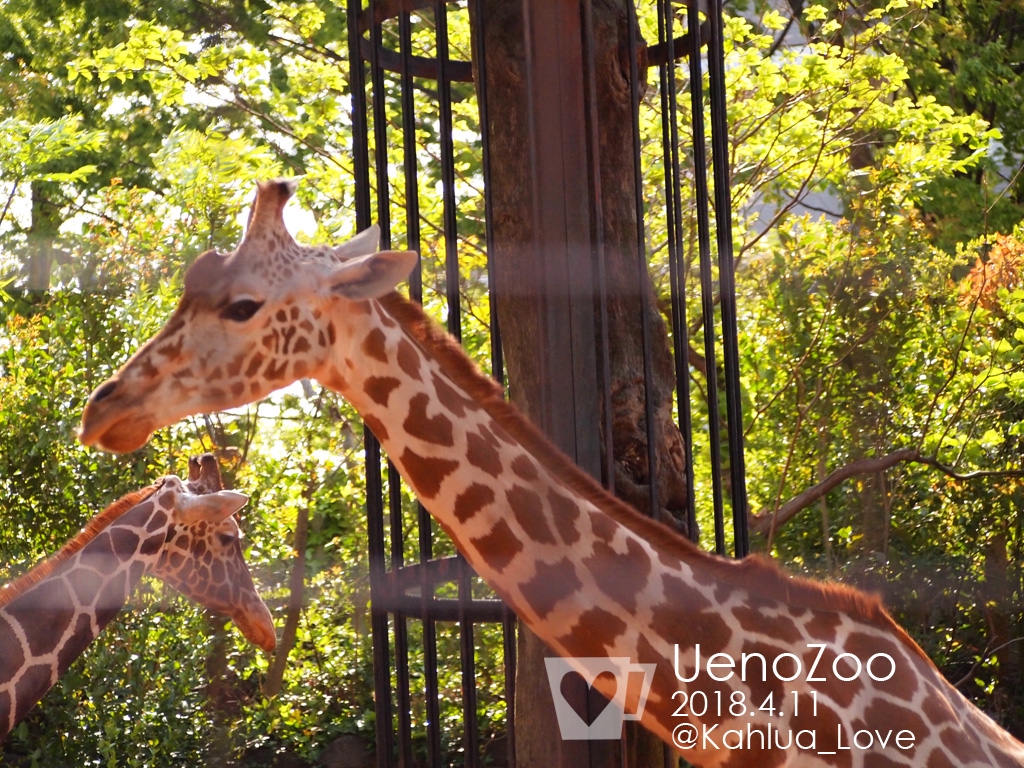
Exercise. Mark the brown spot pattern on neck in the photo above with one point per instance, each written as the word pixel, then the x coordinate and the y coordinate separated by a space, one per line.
pixel 92 529
pixel 757 575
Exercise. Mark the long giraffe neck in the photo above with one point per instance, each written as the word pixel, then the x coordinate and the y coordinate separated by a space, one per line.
pixel 594 578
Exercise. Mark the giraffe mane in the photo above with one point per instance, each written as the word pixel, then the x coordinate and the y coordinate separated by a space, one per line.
pixel 757 574
pixel 90 531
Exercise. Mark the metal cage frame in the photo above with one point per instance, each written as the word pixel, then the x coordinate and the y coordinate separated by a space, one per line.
pixel 407 592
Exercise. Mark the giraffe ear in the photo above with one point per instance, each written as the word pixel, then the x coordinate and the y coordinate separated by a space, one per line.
pixel 365 242
pixel 209 507
pixel 372 275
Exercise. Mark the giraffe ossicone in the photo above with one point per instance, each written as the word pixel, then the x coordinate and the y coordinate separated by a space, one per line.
pixel 182 532
pixel 588 574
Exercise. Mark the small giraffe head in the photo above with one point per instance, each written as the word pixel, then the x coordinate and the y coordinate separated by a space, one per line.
pixel 202 554
pixel 249 322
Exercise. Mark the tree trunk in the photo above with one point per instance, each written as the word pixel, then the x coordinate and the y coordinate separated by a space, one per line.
pixel 296 595
pixel 45 226
pixel 874 543
pixel 995 599
pixel 521 309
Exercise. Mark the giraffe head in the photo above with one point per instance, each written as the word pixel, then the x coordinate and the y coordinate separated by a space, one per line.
pixel 202 554
pixel 249 322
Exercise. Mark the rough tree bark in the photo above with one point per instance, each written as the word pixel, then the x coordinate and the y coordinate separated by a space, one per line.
pixel 537 740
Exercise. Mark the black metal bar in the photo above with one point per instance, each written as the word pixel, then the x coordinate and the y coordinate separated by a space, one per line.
pixel 726 277
pixel 443 609
pixel 378 613
pixel 676 263
pixel 480 52
pixel 427 616
pixel 409 161
pixel 451 238
pixel 399 627
pixel 701 203
pixel 454 324
pixel 380 136
pixel 360 132
pixel 467 653
pixel 435 756
pixel 600 257
pixel 374 493
pixel 462 71
pixel 667 51
pixel 403 679
pixel 509 640
pixel 420 66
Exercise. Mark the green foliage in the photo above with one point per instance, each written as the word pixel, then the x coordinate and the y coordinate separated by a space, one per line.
pixel 26 149
pixel 963 54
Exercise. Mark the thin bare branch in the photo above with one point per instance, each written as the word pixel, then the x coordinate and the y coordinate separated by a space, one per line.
pixel 10 199
pixel 946 469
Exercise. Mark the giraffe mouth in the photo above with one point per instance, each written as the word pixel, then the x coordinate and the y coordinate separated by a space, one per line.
pixel 116 435
pixel 259 631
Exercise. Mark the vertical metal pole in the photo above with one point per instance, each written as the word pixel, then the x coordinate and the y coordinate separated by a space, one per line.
pixel 726 277
pixel 430 681
pixel 374 491
pixel 676 261
pixel 707 288
pixel 403 678
pixel 412 188
pixel 644 276
pixel 380 132
pixel 451 237
pixel 600 262
pixel 508 623
pixel 497 363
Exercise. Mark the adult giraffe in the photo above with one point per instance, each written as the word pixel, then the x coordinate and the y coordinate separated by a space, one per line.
pixel 183 533
pixel 589 575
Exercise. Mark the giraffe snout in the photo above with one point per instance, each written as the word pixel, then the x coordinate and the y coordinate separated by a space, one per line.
pixel 113 422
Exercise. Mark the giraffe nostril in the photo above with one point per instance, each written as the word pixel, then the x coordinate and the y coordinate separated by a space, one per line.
pixel 104 391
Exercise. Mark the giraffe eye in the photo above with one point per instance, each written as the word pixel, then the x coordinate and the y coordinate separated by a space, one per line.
pixel 241 310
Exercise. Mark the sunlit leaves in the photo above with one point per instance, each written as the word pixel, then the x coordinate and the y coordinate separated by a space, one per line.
pixel 798 114
pixel 26 149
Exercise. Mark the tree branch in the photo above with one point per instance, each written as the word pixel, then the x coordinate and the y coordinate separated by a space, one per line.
pixel 766 521
pixel 761 523
pixel 772 520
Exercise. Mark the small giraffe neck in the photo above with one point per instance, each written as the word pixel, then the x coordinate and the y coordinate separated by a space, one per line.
pixel 594 578
pixel 182 533
pixel 97 524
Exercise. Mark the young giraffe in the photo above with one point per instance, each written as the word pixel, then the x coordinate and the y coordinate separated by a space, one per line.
pixel 591 576
pixel 181 532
